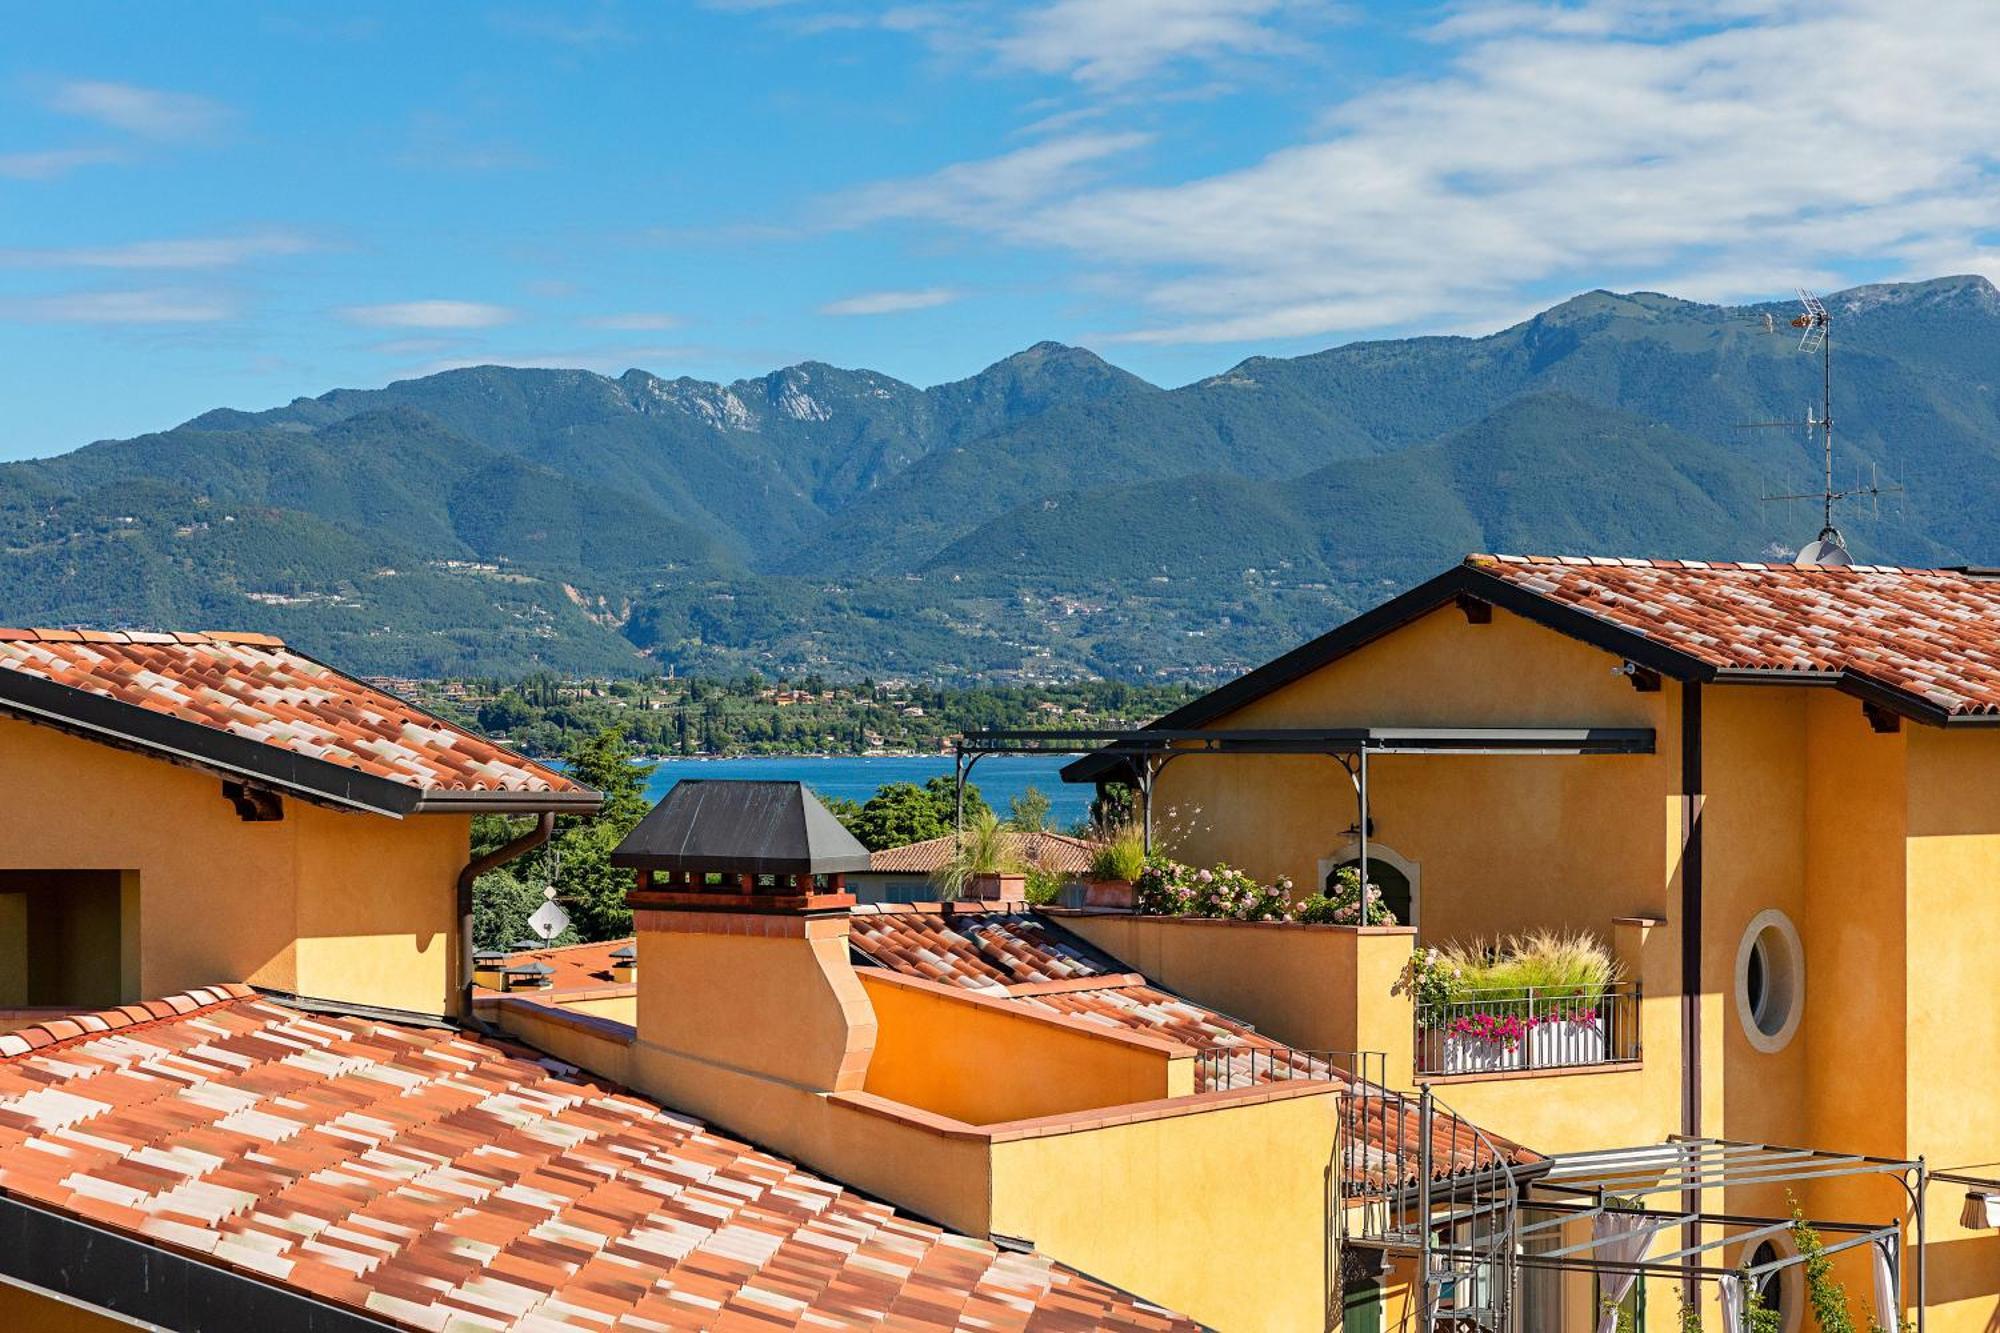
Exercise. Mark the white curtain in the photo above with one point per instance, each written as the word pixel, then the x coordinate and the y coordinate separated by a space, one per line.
pixel 1730 1288
pixel 1623 1238
pixel 1888 1309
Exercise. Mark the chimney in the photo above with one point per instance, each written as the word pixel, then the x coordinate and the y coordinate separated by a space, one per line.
pixel 741 918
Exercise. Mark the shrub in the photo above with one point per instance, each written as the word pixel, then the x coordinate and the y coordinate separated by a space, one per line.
pixel 1045 886
pixel 1342 906
pixel 1562 966
pixel 984 848
pixel 1166 887
pixel 1122 855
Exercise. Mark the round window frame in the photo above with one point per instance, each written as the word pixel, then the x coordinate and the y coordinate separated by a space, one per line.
pixel 1788 972
pixel 1791 1279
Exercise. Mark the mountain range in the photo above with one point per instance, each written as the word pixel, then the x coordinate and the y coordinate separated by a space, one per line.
pixel 1050 516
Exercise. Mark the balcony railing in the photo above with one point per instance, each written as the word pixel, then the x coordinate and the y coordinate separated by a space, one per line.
pixel 1499 1031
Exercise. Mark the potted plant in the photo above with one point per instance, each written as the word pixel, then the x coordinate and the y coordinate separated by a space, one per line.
pixel 985 866
pixel 1525 1002
pixel 1114 867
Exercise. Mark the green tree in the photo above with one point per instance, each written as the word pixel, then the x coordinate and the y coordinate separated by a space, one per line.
pixel 902 812
pixel 501 904
pixel 1029 812
pixel 577 859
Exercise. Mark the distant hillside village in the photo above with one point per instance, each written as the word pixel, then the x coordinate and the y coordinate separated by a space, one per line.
pixel 746 715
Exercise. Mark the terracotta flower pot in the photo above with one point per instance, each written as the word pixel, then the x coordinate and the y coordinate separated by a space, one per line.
pixel 1006 887
pixel 1109 893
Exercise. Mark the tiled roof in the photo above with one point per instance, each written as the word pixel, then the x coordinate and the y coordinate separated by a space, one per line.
pixel 577 967
pixel 1929 634
pixel 432 1178
pixel 253 687
pixel 1045 850
pixel 1036 963
pixel 966 944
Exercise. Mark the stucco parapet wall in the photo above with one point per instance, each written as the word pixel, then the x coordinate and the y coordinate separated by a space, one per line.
pixel 1000 1004
pixel 1151 919
pixel 774 925
pixel 1082 1122
pixel 558 994
pixel 550 1009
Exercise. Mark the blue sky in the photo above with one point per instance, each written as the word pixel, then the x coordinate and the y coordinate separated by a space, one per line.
pixel 234 205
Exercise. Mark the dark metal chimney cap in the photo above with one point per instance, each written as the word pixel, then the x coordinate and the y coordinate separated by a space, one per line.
pixel 737 827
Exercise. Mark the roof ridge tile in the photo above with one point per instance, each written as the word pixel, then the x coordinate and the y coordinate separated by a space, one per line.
pixel 88 1023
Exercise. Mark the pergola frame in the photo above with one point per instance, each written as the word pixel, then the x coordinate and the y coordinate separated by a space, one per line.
pixel 1617 1180
pixel 1145 752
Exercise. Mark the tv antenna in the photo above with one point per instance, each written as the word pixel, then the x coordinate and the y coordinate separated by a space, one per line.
pixel 1829 548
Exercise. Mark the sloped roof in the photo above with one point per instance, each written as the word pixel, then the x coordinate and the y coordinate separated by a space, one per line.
pixel 731 825
pixel 1929 637
pixel 577 970
pixel 1036 963
pixel 425 1175
pixel 1923 643
pixel 247 706
pixel 1043 850
pixel 974 946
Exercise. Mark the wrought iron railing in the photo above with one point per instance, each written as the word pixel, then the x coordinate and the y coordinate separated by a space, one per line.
pixel 1500 1030
pixel 1240 1064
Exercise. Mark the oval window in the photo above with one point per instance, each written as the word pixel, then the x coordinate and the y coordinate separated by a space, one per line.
pixel 1770 981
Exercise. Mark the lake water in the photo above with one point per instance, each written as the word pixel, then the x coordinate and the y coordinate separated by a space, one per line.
pixel 999 777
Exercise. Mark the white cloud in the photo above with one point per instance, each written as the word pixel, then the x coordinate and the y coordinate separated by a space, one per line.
pixel 153 306
pixel 429 315
pixel 49 163
pixel 634 321
pixel 1110 43
pixel 1599 143
pixel 149 113
pixel 890 303
pixel 189 253
pixel 1004 187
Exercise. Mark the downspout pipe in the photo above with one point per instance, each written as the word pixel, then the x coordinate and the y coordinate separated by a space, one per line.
pixel 544 829
pixel 1692 798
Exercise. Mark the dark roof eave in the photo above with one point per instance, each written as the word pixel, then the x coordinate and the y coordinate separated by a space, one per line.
pixel 93 717
pixel 136 1279
pixel 1900 702
pixel 1459 580
pixel 444 801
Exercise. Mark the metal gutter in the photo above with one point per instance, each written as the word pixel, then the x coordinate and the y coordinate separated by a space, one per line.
pixel 436 801
pixel 133 1279
pixel 543 830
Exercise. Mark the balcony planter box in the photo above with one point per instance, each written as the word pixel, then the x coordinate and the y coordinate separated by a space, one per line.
pixel 1109 893
pixel 1549 1045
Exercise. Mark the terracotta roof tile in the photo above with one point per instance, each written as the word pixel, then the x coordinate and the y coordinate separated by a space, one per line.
pixel 576 968
pixel 431 1176
pixel 1932 634
pixel 965 944
pixel 254 686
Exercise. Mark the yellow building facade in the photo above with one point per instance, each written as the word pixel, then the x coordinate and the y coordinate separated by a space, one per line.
pixel 1813 826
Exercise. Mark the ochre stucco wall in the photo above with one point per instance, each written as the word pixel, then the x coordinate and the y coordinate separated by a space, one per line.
pixel 1224 1215
pixel 982 1061
pixel 334 905
pixel 1504 843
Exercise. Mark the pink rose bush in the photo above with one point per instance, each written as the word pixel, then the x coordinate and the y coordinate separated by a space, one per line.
pixel 1169 888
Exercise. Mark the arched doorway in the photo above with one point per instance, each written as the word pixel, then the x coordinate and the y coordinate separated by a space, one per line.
pixel 1395 875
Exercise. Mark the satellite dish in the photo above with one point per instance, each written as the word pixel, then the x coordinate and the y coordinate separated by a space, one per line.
pixel 1829 549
